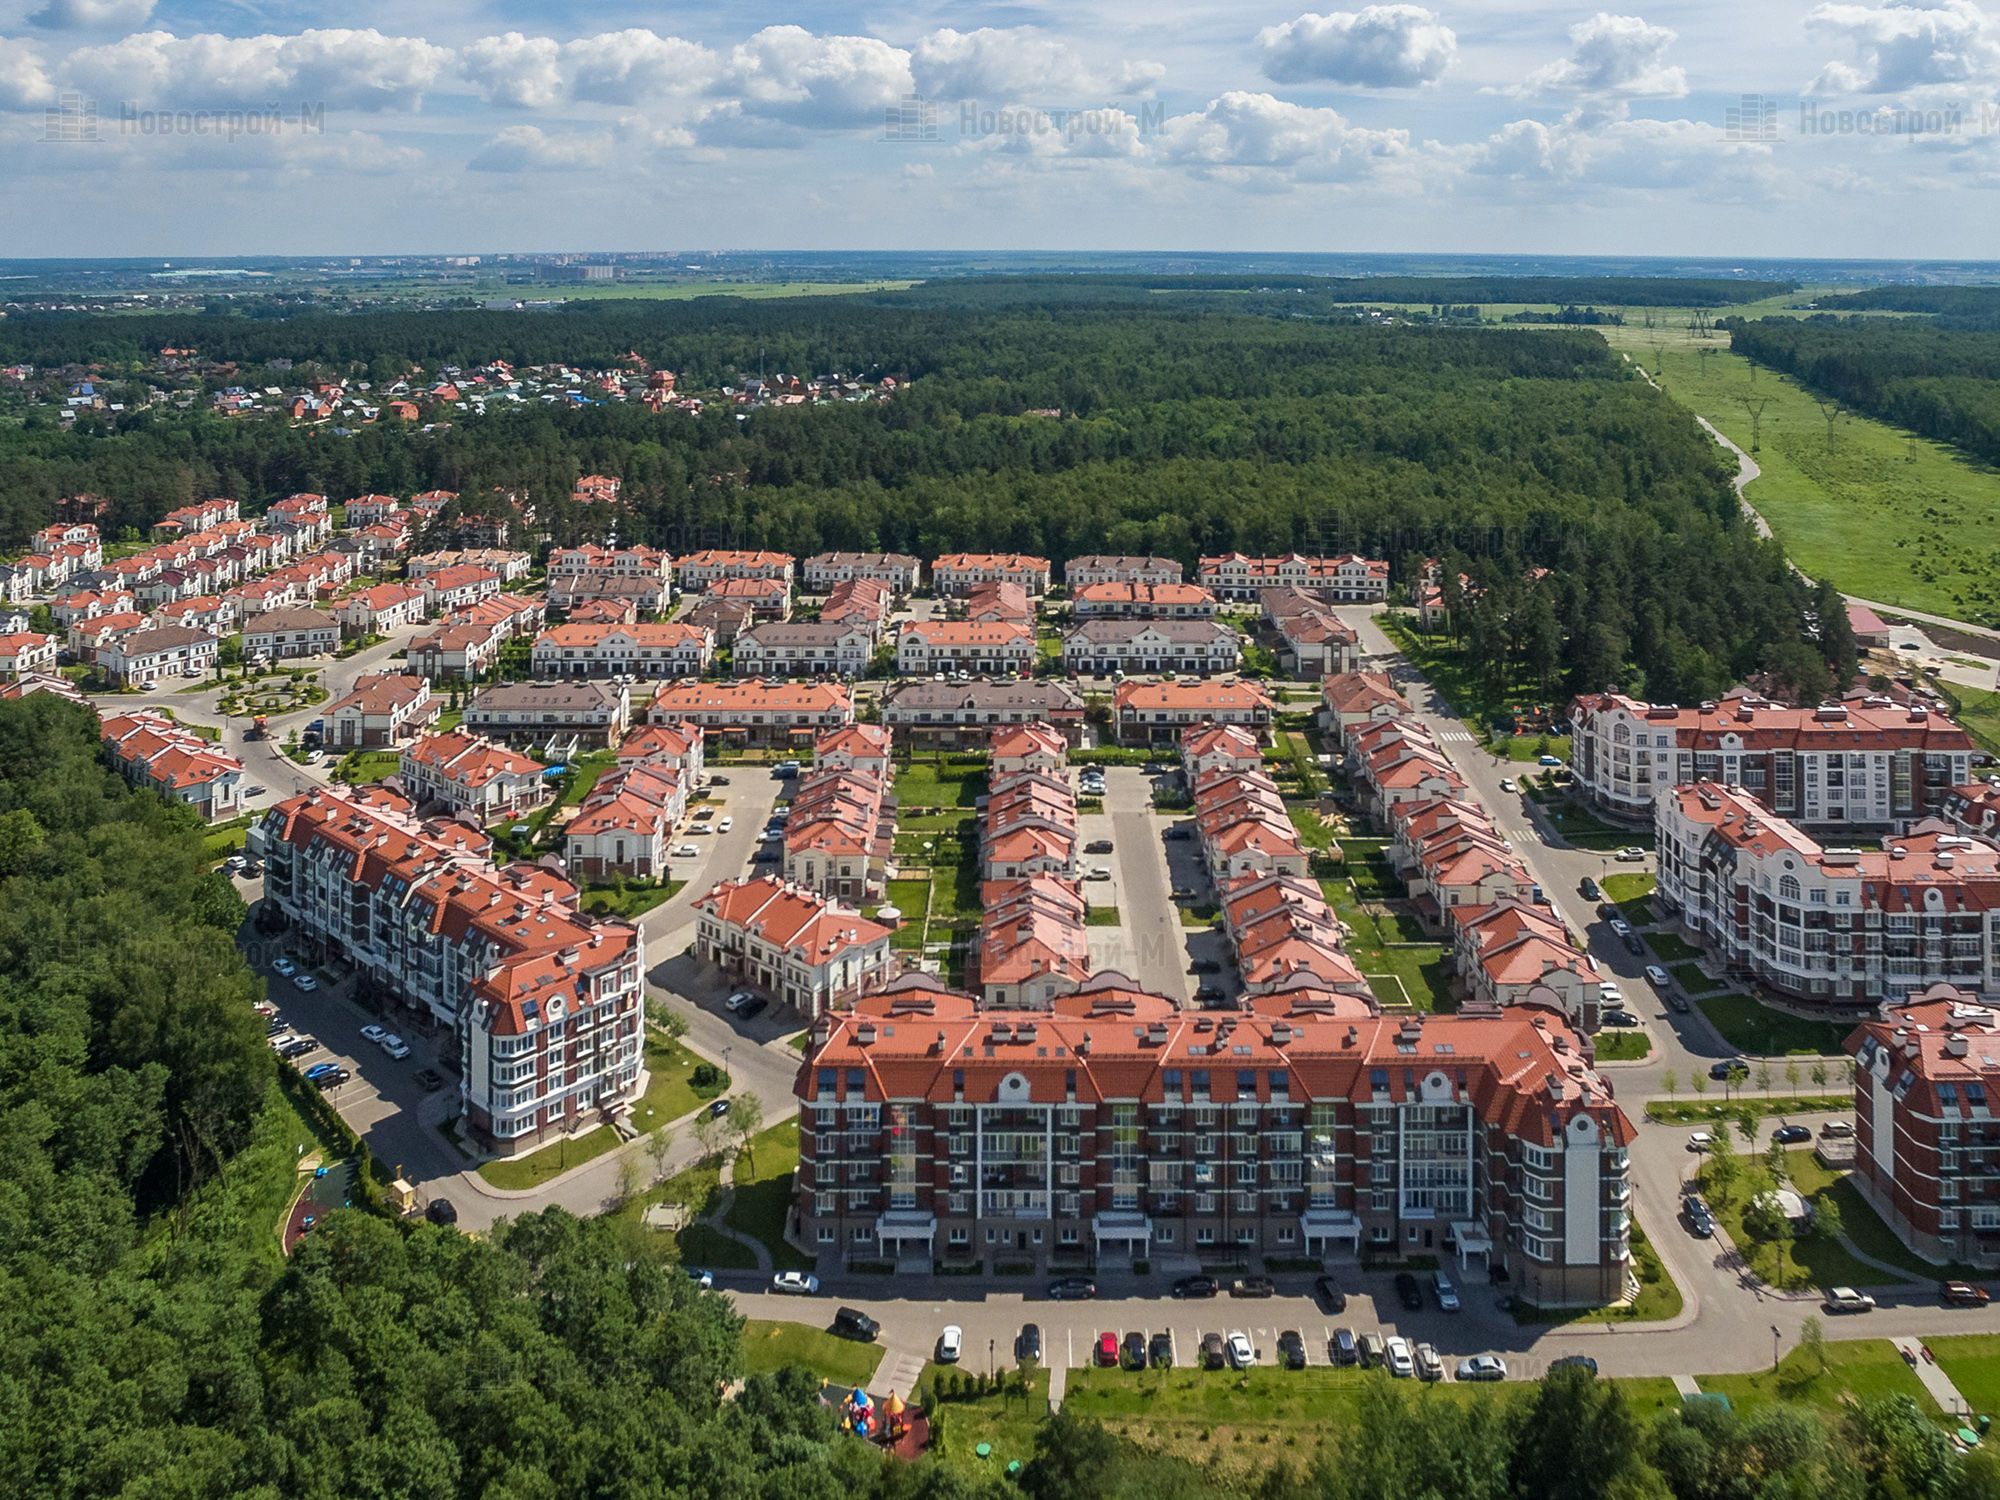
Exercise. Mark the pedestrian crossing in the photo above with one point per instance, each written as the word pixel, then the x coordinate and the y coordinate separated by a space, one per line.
pixel 1458 737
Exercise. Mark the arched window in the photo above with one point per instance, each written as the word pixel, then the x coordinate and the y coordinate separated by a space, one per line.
pixel 1788 888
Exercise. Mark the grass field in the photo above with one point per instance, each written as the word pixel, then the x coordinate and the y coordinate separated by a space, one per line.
pixel 1865 1368
pixel 1979 712
pixel 1884 514
pixel 1396 970
pixel 773 1346
pixel 1863 1225
pixel 1622 1046
pixel 1761 1031
pixel 1972 1360
pixel 763 1183
pixel 1006 1423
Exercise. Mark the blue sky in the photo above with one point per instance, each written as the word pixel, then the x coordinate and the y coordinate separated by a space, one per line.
pixel 214 127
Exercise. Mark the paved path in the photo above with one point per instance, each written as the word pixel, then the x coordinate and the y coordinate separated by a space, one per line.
pixel 1933 1378
pixel 899 1372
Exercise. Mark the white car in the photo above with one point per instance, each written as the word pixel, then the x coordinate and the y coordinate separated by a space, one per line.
pixel 1447 1294
pixel 1482 1367
pixel 1844 1299
pixel 1631 854
pixel 1241 1355
pixel 1620 928
pixel 1397 1356
pixel 796 1283
pixel 1098 872
pixel 1658 977
pixel 1700 1141
pixel 951 1343
pixel 396 1047
pixel 305 982
pixel 703 1279
pixel 737 1001
pixel 284 966
pixel 686 851
pixel 374 1034
pixel 725 824
pixel 1429 1366
pixel 1507 784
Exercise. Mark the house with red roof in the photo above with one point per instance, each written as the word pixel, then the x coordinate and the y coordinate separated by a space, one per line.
pixel 464 773
pixel 150 750
pixel 383 708
pixel 801 949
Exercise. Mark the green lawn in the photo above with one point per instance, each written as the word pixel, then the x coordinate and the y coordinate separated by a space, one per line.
pixel 1481 706
pixel 1864 1226
pixel 1979 712
pixel 1313 830
pixel 1883 514
pixel 1659 1297
pixel 1710 1107
pixel 1863 1368
pixel 1622 1046
pixel 1972 1360
pixel 773 1346
pixel 1763 1032
pixel 635 899
pixel 1005 1423
pixel 1101 916
pixel 763 1183
pixel 1396 970
pixel 956 781
pixel 1628 887
pixel 1691 980
pixel 359 766
pixel 1672 949
pixel 538 1167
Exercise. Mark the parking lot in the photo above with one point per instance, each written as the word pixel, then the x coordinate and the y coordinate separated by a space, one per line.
pixel 1149 942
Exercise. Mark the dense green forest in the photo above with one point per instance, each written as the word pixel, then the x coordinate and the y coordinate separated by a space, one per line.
pixel 153 1345
pixel 1952 301
pixel 1182 432
pixel 1941 381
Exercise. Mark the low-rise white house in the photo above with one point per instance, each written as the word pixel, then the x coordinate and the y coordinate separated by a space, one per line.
pixel 781 648
pixel 1203 647
pixel 927 646
pixel 286 634
pixel 469 774
pixel 647 649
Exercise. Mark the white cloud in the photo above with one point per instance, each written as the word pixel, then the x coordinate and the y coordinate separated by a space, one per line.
pixel 787 74
pixel 1615 55
pixel 348 69
pixel 1914 44
pixel 1250 130
pixel 1606 146
pixel 1381 46
pixel 1017 63
pixel 525 148
pixel 615 67
pixel 24 78
pixel 93 15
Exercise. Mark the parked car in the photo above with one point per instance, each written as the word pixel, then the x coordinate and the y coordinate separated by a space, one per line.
pixel 703 1279
pixel 1180 831
pixel 396 1047
pixel 1507 784
pixel 1548 760
pixel 1330 1296
pixel 431 1079
pixel 1197 1286
pixel 1213 1355
pixel 1837 1130
pixel 1791 1135
pixel 1729 1067
pixel 1107 1350
pixel 1291 1350
pixel 1098 846
pixel 1397 1355
pixel 1963 1294
pixel 1072 1289
pixel 686 851
pixel 1205 966
pixel 1342 1348
pixel 751 1011
pixel 1482 1367
pixel 305 982
pixel 1630 854
pixel 1658 977
pixel 1700 1224
pixel 284 966
pixel 1408 1292
pixel 333 1078
pixel 1588 889
pixel 442 1211
pixel 1253 1286
pixel 718 1107
pixel 853 1323
pixel 1447 1294
pixel 1608 910
pixel 795 1284
pixel 374 1034
pixel 951 1344
pixel 1677 1003
pixel 1241 1355
pixel 1574 1362
pixel 1135 1351
pixel 1372 1348
pixel 1618 1019
pixel 1028 1344
pixel 1162 1351
pixel 736 1001
pixel 298 1046
pixel 784 770
pixel 1700 1141
pixel 1098 872
pixel 726 824
pixel 1620 928
pixel 1844 1299
pixel 718 781
pixel 1429 1366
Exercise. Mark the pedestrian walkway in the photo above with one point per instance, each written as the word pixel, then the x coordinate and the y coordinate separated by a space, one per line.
pixel 713 1220
pixel 899 1371
pixel 1058 1383
pixel 1934 1378
pixel 1686 1386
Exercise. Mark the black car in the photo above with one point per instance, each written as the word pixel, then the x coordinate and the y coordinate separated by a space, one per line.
pixel 1587 888
pixel 718 1107
pixel 750 1008
pixel 1253 1286
pixel 1608 910
pixel 1180 831
pixel 1098 846
pixel 1331 1297
pixel 1342 1348
pixel 1204 992
pixel 442 1211
pixel 1573 1362
pixel 1028 1346
pixel 1617 1018
pixel 1291 1350
pixel 1634 944
pixel 1072 1289
pixel 853 1323
pixel 1729 1067
pixel 431 1079
pixel 1197 1286
pixel 1408 1292
pixel 332 1078
pixel 1791 1135
pixel 1162 1352
pixel 1213 1356
pixel 718 781
pixel 1205 966
pixel 1135 1351
pixel 298 1048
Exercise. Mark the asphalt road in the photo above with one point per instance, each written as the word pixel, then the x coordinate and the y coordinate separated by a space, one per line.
pixel 1149 944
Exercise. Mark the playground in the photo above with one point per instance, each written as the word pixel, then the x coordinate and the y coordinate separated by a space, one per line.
pixel 887 1422
pixel 324 1188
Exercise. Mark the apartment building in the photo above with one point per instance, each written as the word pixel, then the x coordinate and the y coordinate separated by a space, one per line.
pixel 1124 599
pixel 544 1006
pixel 456 653
pixel 766 598
pixel 1927 1144
pixel 384 708
pixel 1080 573
pixel 1838 925
pixel 511 566
pixel 150 750
pixel 806 648
pixel 454 587
pixel 1863 762
pixel 1033 942
pixel 1351 699
pixel 24 652
pixel 1156 713
pixel 859 604
pixel 897 572
pixel 1348 579
pixel 755 712
pixel 804 951
pixel 1115 1127
pixel 961 572
pixel 1104 646
pixel 627 562
pixel 925 647
pixel 575 712
pixel 994 604
pixel 1975 807
pixel 953 715
pixel 644 593
pixel 141 658
pixel 466 774
pixel 648 649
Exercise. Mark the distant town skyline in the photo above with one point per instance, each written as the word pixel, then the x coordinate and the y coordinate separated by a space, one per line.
pixel 195 127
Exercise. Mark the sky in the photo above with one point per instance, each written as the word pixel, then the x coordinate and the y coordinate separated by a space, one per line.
pixel 1752 128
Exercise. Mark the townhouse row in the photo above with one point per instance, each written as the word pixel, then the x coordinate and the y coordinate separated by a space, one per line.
pixel 840 836
pixel 1032 943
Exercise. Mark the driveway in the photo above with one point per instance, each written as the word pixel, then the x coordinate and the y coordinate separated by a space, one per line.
pixel 1149 942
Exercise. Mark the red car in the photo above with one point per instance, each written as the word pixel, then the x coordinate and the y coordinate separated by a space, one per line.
pixel 1107 1350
